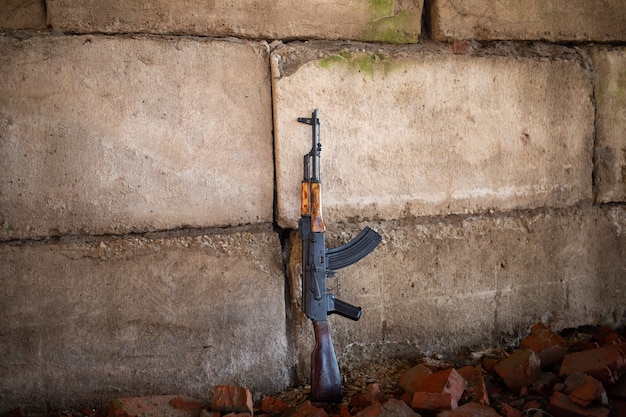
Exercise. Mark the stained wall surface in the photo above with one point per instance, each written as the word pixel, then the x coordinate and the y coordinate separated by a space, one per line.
pixel 150 168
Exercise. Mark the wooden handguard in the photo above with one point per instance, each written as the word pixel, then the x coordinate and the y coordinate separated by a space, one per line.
pixel 317 223
pixel 305 209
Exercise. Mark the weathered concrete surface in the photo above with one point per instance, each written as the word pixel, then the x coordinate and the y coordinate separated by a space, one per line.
pixel 610 96
pixel 84 322
pixel 393 21
pixel 552 20
pixel 110 135
pixel 421 131
pixel 435 285
pixel 22 14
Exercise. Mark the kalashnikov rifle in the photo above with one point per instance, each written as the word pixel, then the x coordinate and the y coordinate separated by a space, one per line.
pixel 319 263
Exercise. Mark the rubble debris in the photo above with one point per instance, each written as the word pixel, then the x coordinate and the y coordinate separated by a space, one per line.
pixel 227 399
pixel 538 379
pixel 155 406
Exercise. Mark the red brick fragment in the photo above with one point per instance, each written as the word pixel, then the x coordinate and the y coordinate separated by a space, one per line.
pixel 561 406
pixel 273 406
pixel 605 363
pixel 549 346
pixel 433 401
pixel 448 381
pixel 470 410
pixel 390 408
pixel 488 364
pixel 606 335
pixel 306 409
pixel 544 384
pixel 461 47
pixel 344 411
pixel 396 408
pixel 509 411
pixel 583 389
pixel 229 399
pixel 371 396
pixel 412 379
pixel 519 370
pixel 476 387
pixel 155 406
pixel 372 410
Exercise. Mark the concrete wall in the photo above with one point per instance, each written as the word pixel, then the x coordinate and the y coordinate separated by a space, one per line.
pixel 150 161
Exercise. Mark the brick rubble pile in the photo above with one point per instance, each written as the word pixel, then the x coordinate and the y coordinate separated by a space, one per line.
pixel 549 374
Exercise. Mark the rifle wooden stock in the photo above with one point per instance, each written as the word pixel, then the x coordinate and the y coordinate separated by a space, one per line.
pixel 325 377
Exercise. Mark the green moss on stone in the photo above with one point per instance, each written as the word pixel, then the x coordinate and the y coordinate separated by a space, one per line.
pixel 367 63
pixel 402 28
pixel 381 8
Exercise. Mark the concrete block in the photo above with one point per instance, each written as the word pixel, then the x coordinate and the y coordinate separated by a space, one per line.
pixel 85 321
pixel 422 131
pixel 22 14
pixel 436 285
pixel 610 151
pixel 552 20
pixel 108 135
pixel 392 21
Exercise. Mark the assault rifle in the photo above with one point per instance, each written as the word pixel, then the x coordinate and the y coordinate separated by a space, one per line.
pixel 318 263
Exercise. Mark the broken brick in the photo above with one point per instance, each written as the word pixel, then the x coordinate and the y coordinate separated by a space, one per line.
pixel 470 410
pixel 373 410
pixel 390 408
pixel 605 363
pixel 561 406
pixel 549 346
pixel 371 396
pixel 544 384
pixel 229 399
pixel 583 389
pixel 155 406
pixel 476 387
pixel 412 379
pixel 433 401
pixel 448 381
pixel 273 406
pixel 396 408
pixel 606 335
pixel 509 411
pixel 519 370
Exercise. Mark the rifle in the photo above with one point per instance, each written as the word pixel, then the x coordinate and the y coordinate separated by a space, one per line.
pixel 319 263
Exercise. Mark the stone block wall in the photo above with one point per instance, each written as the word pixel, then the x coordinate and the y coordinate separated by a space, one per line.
pixel 150 161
